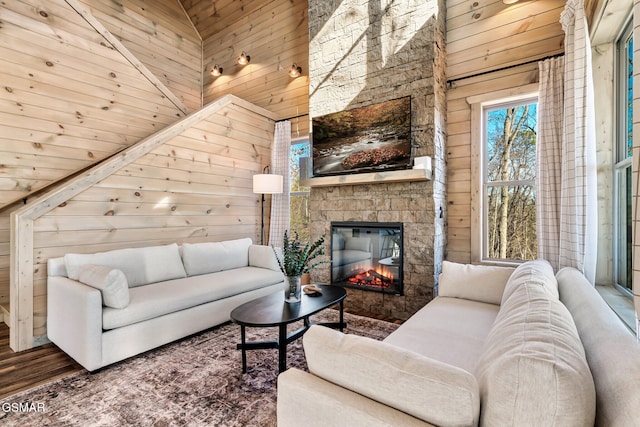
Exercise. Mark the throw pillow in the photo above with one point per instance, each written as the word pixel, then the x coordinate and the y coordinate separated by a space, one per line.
pixel 141 266
pixel 482 283
pixel 111 282
pixel 264 257
pixel 209 257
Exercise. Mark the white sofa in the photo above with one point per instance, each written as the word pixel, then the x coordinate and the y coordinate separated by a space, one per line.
pixel 495 348
pixel 107 306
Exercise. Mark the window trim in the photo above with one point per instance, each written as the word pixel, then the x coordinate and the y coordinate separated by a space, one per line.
pixel 620 75
pixel 477 104
pixel 617 168
pixel 620 159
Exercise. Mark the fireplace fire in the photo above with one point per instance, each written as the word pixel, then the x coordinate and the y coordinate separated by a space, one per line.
pixel 380 278
pixel 367 256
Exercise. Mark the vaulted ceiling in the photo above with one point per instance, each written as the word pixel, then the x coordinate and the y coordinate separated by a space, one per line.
pixel 211 16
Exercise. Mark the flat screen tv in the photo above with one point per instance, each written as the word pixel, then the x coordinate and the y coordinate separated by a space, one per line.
pixel 365 139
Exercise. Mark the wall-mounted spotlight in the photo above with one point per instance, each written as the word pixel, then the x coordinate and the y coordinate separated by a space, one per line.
pixel 243 59
pixel 295 71
pixel 509 1
pixel 216 70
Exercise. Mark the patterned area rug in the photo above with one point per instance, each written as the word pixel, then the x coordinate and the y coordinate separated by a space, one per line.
pixel 197 381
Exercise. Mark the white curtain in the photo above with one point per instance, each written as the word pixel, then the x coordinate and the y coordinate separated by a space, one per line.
pixel 548 159
pixel 279 219
pixel 575 219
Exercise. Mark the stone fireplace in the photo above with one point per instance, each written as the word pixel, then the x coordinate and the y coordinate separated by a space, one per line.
pixel 361 53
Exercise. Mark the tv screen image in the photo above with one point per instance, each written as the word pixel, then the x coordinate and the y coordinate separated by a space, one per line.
pixel 364 139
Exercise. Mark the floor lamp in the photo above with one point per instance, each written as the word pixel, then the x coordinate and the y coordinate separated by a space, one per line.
pixel 266 183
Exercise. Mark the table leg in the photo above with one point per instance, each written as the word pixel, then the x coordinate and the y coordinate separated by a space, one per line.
pixel 282 348
pixel 244 350
pixel 341 316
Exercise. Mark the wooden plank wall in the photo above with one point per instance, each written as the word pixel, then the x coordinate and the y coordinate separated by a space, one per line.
pixel 68 99
pixel 487 35
pixel 162 37
pixel 275 34
pixel 483 37
pixel 196 187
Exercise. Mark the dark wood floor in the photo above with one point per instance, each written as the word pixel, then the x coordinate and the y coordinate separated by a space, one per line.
pixel 30 368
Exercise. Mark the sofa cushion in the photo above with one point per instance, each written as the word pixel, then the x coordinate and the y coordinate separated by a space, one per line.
pixel 264 257
pixel 482 283
pixel 148 302
pixel 533 370
pixel 539 272
pixel 141 266
pixel 433 391
pixel 451 330
pixel 305 400
pixel 111 282
pixel 209 257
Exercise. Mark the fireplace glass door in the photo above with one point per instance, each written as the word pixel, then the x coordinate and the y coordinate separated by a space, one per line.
pixel 367 255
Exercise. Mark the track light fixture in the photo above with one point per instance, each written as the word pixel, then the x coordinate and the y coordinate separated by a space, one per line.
pixel 216 70
pixel 295 71
pixel 244 59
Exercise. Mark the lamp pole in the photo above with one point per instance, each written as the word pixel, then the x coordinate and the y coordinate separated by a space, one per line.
pixel 262 222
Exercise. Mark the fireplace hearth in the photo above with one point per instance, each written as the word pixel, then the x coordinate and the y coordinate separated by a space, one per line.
pixel 367 256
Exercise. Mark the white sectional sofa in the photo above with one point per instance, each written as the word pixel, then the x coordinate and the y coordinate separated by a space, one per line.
pixel 497 347
pixel 107 306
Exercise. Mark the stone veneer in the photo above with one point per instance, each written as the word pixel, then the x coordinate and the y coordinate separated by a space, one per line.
pixel 363 52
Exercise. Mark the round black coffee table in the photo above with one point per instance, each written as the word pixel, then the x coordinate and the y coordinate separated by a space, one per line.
pixel 271 310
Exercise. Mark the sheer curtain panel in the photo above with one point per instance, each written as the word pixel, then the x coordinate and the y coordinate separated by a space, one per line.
pixel 576 222
pixel 279 220
pixel 549 155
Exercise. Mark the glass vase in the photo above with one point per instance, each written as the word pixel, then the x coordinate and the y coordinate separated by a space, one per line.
pixel 292 289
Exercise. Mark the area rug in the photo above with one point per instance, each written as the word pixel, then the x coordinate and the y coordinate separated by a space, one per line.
pixel 197 381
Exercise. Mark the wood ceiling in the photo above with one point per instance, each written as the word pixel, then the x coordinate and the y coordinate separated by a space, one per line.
pixel 211 16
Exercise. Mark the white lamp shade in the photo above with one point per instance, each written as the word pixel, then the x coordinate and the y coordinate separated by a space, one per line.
pixel 267 183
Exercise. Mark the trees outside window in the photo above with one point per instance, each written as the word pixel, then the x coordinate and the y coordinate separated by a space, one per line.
pixel 509 173
pixel 299 204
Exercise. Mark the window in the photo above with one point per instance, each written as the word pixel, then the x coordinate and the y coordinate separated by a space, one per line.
pixel 505 161
pixel 299 204
pixel 622 168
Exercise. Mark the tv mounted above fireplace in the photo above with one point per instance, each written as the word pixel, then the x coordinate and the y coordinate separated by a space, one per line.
pixel 365 139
